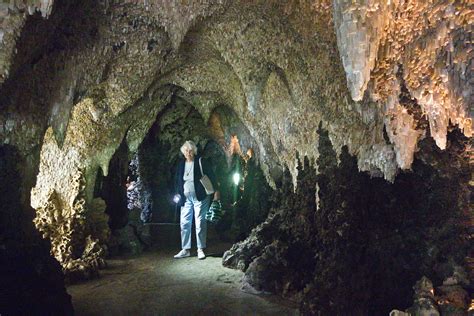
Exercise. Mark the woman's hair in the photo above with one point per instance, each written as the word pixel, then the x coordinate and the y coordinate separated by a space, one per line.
pixel 189 144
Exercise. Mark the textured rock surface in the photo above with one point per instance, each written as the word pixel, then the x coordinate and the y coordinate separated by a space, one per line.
pixel 78 79
pixel 275 62
pixel 448 299
pixel 428 40
pixel 366 241
pixel 27 269
pixel 96 128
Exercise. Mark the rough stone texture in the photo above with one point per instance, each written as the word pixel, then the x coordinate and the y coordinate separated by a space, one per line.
pixel 426 38
pixel 424 298
pixel 63 216
pixel 235 64
pixel 274 61
pixel 10 27
pixel 360 245
pixel 98 123
pixel 27 269
pixel 81 78
pixel 178 17
pixel 448 299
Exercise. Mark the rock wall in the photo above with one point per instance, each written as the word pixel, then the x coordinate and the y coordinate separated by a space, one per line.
pixel 103 115
pixel 79 78
pixel 448 299
pixel 428 41
pixel 27 269
pixel 359 246
pixel 274 63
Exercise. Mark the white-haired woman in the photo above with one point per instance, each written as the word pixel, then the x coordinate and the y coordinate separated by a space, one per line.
pixel 193 199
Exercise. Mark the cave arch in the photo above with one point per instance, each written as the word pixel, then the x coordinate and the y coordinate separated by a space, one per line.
pixel 78 80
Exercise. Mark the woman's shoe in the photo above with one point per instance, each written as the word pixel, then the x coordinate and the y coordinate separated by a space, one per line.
pixel 182 254
pixel 201 254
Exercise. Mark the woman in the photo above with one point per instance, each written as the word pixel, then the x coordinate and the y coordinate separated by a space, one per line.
pixel 193 199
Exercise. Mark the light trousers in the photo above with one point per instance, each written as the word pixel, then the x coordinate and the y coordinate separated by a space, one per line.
pixel 199 208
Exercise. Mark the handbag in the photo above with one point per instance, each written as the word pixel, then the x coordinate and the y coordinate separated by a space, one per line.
pixel 214 214
pixel 205 181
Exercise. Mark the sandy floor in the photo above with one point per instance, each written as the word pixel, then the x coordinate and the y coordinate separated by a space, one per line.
pixel 156 284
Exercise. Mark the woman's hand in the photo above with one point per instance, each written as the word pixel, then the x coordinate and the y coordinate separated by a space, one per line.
pixel 217 196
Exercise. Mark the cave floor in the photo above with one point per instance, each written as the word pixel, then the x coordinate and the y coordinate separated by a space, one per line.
pixel 154 283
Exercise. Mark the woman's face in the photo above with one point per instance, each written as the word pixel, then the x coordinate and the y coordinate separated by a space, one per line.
pixel 189 154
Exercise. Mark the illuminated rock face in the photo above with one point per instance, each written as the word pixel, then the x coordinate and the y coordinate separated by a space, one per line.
pixel 271 65
pixel 428 41
pixel 79 79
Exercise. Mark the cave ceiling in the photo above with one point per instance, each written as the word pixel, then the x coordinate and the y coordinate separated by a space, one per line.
pixel 284 68
pixel 104 70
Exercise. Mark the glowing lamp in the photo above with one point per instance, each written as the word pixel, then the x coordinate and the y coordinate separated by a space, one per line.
pixel 176 198
pixel 236 178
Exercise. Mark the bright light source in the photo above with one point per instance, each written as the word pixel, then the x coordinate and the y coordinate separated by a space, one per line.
pixel 236 178
pixel 176 198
